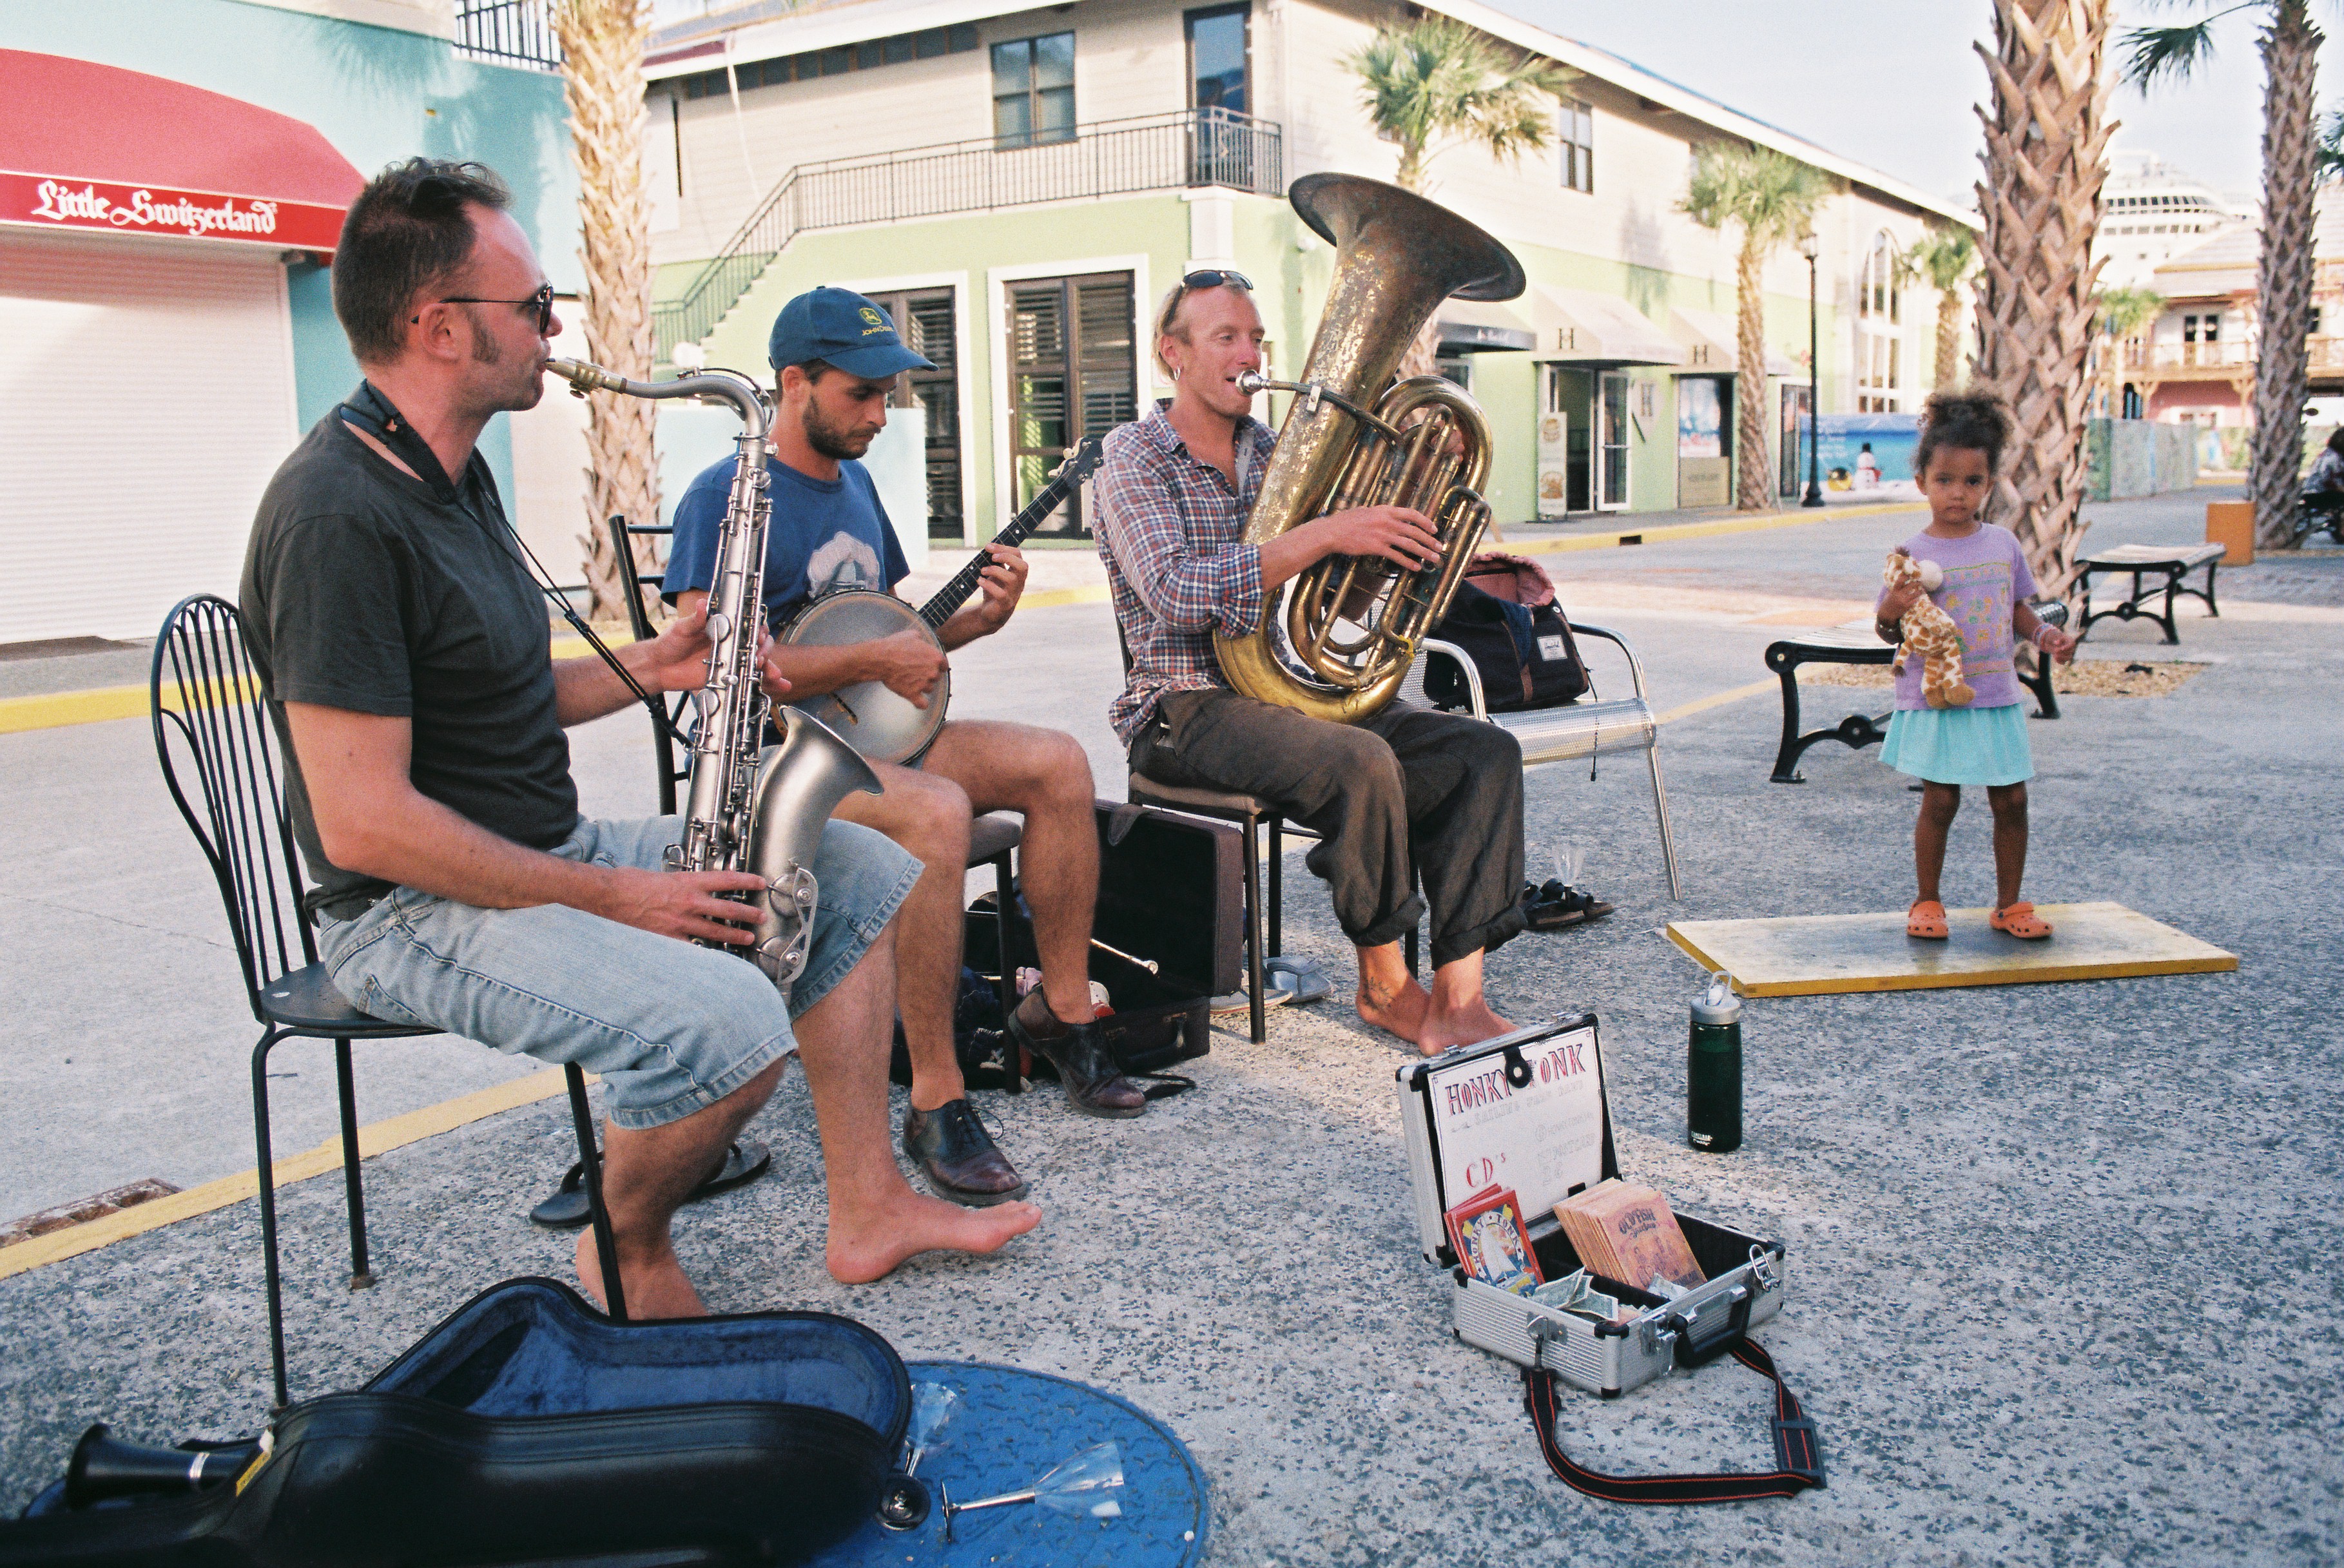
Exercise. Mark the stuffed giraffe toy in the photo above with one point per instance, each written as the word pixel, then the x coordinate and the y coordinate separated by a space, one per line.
pixel 1930 632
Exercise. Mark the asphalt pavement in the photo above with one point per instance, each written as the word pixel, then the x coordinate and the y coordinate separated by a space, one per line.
pixel 2062 1256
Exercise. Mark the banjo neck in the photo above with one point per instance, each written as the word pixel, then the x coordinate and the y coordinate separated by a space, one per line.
pixel 956 593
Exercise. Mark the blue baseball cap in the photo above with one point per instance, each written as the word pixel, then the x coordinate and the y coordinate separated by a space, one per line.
pixel 841 328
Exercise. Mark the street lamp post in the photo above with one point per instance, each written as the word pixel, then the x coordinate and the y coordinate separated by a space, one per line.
pixel 1811 247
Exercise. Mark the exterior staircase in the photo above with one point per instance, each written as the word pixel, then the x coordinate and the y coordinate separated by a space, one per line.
pixel 1111 157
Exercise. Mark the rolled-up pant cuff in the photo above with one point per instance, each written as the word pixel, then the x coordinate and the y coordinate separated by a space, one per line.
pixel 1486 937
pixel 1393 927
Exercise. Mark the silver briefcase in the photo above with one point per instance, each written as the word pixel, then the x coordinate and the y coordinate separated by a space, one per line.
pixel 1528 1111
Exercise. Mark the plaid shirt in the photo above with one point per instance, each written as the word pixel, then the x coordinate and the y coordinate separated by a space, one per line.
pixel 1171 531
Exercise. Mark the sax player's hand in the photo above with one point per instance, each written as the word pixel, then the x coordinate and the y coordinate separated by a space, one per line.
pixel 679 904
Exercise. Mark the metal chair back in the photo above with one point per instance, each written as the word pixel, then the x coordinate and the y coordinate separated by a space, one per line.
pixel 206 700
pixel 678 707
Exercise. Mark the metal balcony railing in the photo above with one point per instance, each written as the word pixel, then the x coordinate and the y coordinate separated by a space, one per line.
pixel 1112 158
pixel 508 32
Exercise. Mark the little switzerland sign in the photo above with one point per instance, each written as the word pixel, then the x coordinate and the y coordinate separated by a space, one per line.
pixel 52 203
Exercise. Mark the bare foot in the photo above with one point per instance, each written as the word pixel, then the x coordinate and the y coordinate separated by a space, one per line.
pixel 860 1251
pixel 1399 1008
pixel 1465 1025
pixel 657 1290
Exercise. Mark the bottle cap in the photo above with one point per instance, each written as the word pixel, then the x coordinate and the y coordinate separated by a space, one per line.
pixel 1718 1005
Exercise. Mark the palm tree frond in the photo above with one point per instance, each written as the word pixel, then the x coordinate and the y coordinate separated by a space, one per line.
pixel 2156 53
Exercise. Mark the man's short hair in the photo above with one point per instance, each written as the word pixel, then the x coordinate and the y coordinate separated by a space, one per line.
pixel 811 369
pixel 407 231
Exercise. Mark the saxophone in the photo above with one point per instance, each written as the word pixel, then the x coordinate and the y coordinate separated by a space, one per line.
pixel 761 813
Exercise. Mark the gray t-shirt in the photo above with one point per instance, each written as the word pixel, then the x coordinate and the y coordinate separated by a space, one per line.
pixel 364 591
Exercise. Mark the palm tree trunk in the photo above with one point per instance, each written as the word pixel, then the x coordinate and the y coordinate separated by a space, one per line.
pixel 2046 155
pixel 1948 367
pixel 1752 463
pixel 602 45
pixel 2284 274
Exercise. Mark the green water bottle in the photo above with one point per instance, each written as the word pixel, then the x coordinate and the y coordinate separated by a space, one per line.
pixel 1713 1070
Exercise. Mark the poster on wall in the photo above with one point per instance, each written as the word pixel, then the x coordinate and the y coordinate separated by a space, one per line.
pixel 1703 476
pixel 1554 465
pixel 1864 453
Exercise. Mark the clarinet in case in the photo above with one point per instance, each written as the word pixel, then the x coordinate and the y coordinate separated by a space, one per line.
pixel 1528 1111
pixel 526 1429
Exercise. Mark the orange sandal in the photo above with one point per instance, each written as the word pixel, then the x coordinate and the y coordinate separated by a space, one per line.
pixel 1927 919
pixel 2019 920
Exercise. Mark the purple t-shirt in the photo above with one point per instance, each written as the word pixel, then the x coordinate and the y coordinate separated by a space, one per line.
pixel 1985 575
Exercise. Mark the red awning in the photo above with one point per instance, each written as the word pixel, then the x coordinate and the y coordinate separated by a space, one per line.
pixel 84 146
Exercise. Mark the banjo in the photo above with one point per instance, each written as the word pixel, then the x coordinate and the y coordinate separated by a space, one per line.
pixel 869 717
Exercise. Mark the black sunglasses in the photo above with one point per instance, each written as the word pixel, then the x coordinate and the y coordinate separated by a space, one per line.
pixel 542 300
pixel 1217 277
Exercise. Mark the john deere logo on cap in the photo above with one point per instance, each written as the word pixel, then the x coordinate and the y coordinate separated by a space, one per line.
pixel 874 322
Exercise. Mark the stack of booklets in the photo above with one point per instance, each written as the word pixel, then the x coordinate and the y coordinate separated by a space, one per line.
pixel 1626 1232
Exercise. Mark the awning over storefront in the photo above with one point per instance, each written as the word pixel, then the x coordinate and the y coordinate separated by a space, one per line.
pixel 1578 327
pixel 1710 346
pixel 1471 327
pixel 90 147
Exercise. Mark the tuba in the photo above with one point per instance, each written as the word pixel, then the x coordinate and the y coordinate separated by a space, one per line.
pixel 754 810
pixel 1352 624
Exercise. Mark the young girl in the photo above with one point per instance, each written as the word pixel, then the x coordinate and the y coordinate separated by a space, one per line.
pixel 1986 591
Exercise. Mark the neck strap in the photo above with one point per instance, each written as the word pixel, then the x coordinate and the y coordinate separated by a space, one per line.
pixel 374 414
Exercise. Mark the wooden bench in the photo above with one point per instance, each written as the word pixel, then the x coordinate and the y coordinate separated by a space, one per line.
pixel 1855 643
pixel 2177 561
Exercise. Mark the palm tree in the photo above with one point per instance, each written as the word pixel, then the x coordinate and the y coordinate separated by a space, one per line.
pixel 602 45
pixel 2046 155
pixel 1945 260
pixel 1437 84
pixel 2291 173
pixel 1774 197
pixel 2123 312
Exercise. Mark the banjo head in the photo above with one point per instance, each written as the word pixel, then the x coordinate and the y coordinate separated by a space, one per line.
pixel 873 719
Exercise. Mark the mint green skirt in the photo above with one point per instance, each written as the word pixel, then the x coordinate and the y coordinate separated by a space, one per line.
pixel 1960 745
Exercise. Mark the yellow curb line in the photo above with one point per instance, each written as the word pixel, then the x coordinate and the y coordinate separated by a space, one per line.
pixel 1719 700
pixel 375 1138
pixel 1758 522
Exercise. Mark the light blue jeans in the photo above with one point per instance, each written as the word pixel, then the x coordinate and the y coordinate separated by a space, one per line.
pixel 672 1026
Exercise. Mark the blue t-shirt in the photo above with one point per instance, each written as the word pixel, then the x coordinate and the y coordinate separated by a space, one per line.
pixel 825 534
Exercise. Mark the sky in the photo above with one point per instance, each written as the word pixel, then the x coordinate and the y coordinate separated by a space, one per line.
pixel 1890 83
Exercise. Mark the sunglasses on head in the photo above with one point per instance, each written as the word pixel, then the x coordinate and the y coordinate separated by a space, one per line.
pixel 542 300
pixel 1217 277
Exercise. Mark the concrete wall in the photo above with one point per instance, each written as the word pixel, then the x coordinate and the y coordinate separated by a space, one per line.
pixel 2132 458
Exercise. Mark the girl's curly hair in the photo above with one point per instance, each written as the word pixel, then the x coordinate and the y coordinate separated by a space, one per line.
pixel 1969 421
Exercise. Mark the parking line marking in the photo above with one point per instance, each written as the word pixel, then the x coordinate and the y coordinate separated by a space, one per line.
pixel 374 1138
pixel 1717 699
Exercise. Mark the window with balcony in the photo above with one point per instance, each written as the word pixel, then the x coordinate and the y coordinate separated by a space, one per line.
pixel 1880 328
pixel 1218 75
pixel 1575 129
pixel 1034 91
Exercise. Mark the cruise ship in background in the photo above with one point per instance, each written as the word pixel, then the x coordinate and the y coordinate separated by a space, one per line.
pixel 2151 212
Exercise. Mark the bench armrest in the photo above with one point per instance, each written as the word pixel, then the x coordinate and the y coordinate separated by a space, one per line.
pixel 1635 665
pixel 1452 651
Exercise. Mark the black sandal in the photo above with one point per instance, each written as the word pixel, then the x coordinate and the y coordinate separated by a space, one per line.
pixel 1558 903
pixel 567 1209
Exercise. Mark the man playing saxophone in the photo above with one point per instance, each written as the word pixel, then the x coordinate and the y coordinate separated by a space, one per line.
pixel 404 654
pixel 835 357
pixel 1401 795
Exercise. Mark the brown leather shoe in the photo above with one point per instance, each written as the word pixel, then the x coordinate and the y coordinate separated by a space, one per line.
pixel 1079 1052
pixel 958 1156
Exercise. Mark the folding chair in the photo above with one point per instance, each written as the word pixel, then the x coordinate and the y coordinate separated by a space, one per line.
pixel 209 724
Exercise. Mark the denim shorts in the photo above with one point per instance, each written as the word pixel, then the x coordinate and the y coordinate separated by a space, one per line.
pixel 671 1026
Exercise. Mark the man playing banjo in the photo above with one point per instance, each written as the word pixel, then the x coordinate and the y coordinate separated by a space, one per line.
pixel 1403 790
pixel 404 652
pixel 836 356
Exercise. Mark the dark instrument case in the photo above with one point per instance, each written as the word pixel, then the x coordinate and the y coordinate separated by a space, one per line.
pixel 1171 890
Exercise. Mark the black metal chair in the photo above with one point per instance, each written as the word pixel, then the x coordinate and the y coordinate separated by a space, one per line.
pixel 209 723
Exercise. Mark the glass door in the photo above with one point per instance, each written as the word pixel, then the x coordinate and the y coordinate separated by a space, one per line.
pixel 1217 96
pixel 1612 441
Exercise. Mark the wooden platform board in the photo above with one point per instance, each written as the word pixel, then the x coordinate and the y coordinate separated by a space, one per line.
pixel 1808 955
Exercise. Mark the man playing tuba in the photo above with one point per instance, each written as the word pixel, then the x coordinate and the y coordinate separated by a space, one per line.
pixel 1403 794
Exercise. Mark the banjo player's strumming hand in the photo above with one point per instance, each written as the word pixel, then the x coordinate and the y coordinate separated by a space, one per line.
pixel 907 664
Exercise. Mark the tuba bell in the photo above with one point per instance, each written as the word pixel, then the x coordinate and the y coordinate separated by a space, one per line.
pixel 1352 624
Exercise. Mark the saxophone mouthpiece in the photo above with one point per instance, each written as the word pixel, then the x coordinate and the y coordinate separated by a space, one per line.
pixel 583 376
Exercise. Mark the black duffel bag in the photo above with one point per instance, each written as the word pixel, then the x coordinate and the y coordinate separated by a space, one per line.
pixel 1506 620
